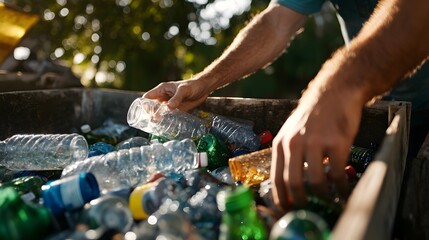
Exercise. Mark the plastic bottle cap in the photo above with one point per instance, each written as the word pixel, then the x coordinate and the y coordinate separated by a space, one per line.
pixel 135 201
pixel 266 137
pixel 85 128
pixel 203 159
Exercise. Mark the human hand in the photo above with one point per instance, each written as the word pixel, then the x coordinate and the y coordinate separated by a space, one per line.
pixel 184 94
pixel 324 124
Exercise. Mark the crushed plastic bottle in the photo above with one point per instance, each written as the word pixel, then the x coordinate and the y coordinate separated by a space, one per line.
pixel 130 167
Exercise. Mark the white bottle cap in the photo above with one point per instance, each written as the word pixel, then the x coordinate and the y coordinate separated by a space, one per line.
pixel 85 128
pixel 202 159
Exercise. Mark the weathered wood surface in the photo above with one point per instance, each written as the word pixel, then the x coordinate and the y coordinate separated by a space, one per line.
pixel 370 210
pixel 414 215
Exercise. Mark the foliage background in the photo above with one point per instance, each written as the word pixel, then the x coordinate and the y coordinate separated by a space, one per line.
pixel 135 45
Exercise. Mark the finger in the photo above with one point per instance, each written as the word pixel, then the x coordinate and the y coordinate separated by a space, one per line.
pixel 315 174
pixel 278 184
pixel 181 93
pixel 162 92
pixel 293 173
pixel 338 159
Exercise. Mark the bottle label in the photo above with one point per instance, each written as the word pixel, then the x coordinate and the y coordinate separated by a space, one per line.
pixel 71 193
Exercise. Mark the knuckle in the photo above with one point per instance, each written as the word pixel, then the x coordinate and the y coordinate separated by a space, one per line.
pixel 163 85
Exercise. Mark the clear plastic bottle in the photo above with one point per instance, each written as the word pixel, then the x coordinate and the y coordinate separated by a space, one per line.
pixel 129 167
pixel 132 142
pixel 42 151
pixel 108 212
pixel 238 134
pixel 235 134
pixel 156 118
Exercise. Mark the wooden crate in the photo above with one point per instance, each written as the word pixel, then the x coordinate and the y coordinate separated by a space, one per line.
pixel 370 211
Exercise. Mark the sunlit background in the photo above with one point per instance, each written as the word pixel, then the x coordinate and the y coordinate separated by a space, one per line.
pixel 134 45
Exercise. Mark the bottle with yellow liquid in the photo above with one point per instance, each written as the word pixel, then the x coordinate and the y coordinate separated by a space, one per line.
pixel 252 168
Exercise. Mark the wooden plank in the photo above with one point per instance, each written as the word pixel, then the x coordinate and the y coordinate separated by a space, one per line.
pixel 370 210
pixel 413 219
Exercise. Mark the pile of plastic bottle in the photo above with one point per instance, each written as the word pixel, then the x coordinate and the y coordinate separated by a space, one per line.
pixel 168 175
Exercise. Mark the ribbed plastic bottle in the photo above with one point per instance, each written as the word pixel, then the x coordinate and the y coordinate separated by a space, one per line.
pixel 42 151
pixel 237 135
pixel 360 158
pixel 156 118
pixel 132 142
pixel 129 167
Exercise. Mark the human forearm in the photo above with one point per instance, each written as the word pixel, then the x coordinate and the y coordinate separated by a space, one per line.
pixel 257 45
pixel 391 44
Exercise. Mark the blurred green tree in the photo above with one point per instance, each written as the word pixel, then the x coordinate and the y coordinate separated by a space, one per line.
pixel 135 45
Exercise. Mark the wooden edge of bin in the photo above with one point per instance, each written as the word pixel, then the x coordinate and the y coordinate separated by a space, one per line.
pixel 371 208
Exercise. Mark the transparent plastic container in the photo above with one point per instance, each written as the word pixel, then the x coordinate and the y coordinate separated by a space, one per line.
pixel 156 118
pixel 129 167
pixel 42 151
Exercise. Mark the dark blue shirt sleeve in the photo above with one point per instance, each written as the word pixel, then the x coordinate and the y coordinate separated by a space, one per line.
pixel 302 6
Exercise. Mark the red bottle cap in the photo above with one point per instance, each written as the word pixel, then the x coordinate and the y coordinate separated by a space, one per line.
pixel 351 172
pixel 266 137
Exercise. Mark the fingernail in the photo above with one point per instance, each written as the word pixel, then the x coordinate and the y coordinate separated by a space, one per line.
pixel 172 104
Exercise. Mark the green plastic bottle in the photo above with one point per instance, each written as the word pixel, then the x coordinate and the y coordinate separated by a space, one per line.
pixel 28 187
pixel 330 211
pixel 217 152
pixel 240 219
pixel 300 224
pixel 22 220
